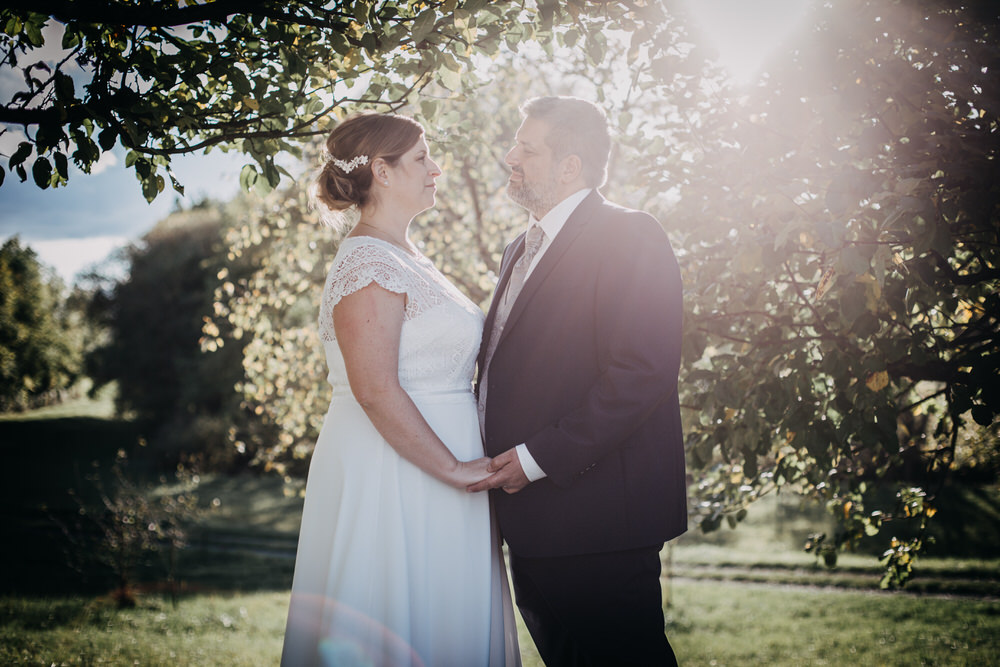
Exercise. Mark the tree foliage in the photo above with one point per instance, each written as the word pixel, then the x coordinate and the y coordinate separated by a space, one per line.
pixel 184 400
pixel 843 259
pixel 836 223
pixel 39 357
pixel 165 78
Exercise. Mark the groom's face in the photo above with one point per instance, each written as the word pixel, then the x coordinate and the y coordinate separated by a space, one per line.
pixel 532 181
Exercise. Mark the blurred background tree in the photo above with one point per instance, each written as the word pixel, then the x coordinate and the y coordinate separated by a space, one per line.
pixel 185 401
pixel 40 347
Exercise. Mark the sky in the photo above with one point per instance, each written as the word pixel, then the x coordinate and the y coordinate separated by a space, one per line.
pixel 74 226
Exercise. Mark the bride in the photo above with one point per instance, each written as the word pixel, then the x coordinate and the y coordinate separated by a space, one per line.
pixel 397 564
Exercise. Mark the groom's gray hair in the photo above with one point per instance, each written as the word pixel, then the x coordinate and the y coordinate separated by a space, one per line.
pixel 576 127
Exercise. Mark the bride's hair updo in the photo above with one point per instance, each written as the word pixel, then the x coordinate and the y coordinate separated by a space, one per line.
pixel 346 177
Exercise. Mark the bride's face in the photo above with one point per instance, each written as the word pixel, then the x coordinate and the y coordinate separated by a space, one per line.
pixel 411 179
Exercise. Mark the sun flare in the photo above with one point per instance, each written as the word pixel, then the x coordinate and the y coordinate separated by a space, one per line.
pixel 745 33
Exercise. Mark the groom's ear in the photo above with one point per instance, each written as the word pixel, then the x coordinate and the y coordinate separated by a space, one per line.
pixel 570 168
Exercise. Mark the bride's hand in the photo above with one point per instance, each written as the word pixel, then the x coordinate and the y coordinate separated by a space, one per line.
pixel 469 472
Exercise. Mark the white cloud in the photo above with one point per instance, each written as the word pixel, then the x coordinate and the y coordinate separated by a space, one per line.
pixel 106 161
pixel 71 256
pixel 9 141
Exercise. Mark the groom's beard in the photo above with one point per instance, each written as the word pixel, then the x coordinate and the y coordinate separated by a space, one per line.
pixel 538 198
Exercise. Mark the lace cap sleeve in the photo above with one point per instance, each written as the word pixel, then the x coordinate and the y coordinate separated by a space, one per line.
pixel 362 263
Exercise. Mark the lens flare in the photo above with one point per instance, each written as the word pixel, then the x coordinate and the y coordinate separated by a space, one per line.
pixel 745 34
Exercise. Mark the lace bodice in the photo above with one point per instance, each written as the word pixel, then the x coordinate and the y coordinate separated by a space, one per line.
pixel 442 328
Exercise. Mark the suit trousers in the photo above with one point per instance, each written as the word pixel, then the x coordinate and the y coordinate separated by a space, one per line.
pixel 594 609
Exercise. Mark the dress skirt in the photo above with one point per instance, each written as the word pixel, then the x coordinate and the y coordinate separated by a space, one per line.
pixel 395 568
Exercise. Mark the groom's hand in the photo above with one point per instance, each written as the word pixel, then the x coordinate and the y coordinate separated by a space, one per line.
pixel 507 474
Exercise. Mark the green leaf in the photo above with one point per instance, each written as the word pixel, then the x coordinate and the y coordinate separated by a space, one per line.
pixel 315 106
pixel 241 84
pixel 423 25
pixel 361 10
pixel 450 79
pixel 941 240
pixel 33 30
pixel 982 415
pixel 174 183
pixel 65 90
pixel 152 185
pixel 248 177
pixel 428 108
pixel 271 174
pixel 866 325
pixel 47 136
pixel 853 304
pixel 13 25
pixel 107 138
pixel 70 39
pixel 338 41
pixel 62 165
pixel 41 171
pixel 20 155
pixel 852 261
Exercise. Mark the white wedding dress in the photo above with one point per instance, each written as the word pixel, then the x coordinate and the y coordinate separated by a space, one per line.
pixel 393 566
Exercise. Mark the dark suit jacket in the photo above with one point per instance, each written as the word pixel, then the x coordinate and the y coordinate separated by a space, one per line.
pixel 585 373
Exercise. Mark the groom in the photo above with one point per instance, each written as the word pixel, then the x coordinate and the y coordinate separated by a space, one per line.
pixel 578 399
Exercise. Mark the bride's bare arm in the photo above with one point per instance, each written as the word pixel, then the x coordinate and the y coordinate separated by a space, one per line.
pixel 368 324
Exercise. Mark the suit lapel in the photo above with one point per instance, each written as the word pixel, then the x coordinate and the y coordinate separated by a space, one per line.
pixel 506 267
pixel 550 259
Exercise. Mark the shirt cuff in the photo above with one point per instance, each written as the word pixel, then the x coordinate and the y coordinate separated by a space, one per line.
pixel 528 464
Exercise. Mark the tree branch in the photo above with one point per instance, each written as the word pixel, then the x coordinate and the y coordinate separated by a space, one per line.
pixel 983 275
pixel 116 13
pixel 161 15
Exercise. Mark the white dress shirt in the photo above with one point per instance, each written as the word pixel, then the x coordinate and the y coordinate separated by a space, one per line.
pixel 551 223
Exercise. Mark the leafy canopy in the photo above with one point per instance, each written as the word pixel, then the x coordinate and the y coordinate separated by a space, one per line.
pixel 166 78
pixel 836 222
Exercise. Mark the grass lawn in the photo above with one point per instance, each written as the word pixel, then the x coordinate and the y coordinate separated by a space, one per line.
pixel 749 624
pixel 708 623
pixel 749 596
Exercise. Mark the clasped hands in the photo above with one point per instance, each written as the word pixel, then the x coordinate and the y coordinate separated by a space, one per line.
pixel 505 473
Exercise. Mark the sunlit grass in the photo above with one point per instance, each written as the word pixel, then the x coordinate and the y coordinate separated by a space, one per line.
pixel 233 584
pixel 78 404
pixel 237 630
pixel 708 623
pixel 725 624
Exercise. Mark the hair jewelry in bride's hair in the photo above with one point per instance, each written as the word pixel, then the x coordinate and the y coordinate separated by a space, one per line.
pixel 347 166
pixel 343 187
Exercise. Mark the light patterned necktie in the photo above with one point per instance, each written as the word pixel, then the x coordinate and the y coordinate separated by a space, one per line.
pixel 532 243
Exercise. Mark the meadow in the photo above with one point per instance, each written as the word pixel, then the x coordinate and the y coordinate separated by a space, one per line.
pixel 748 596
